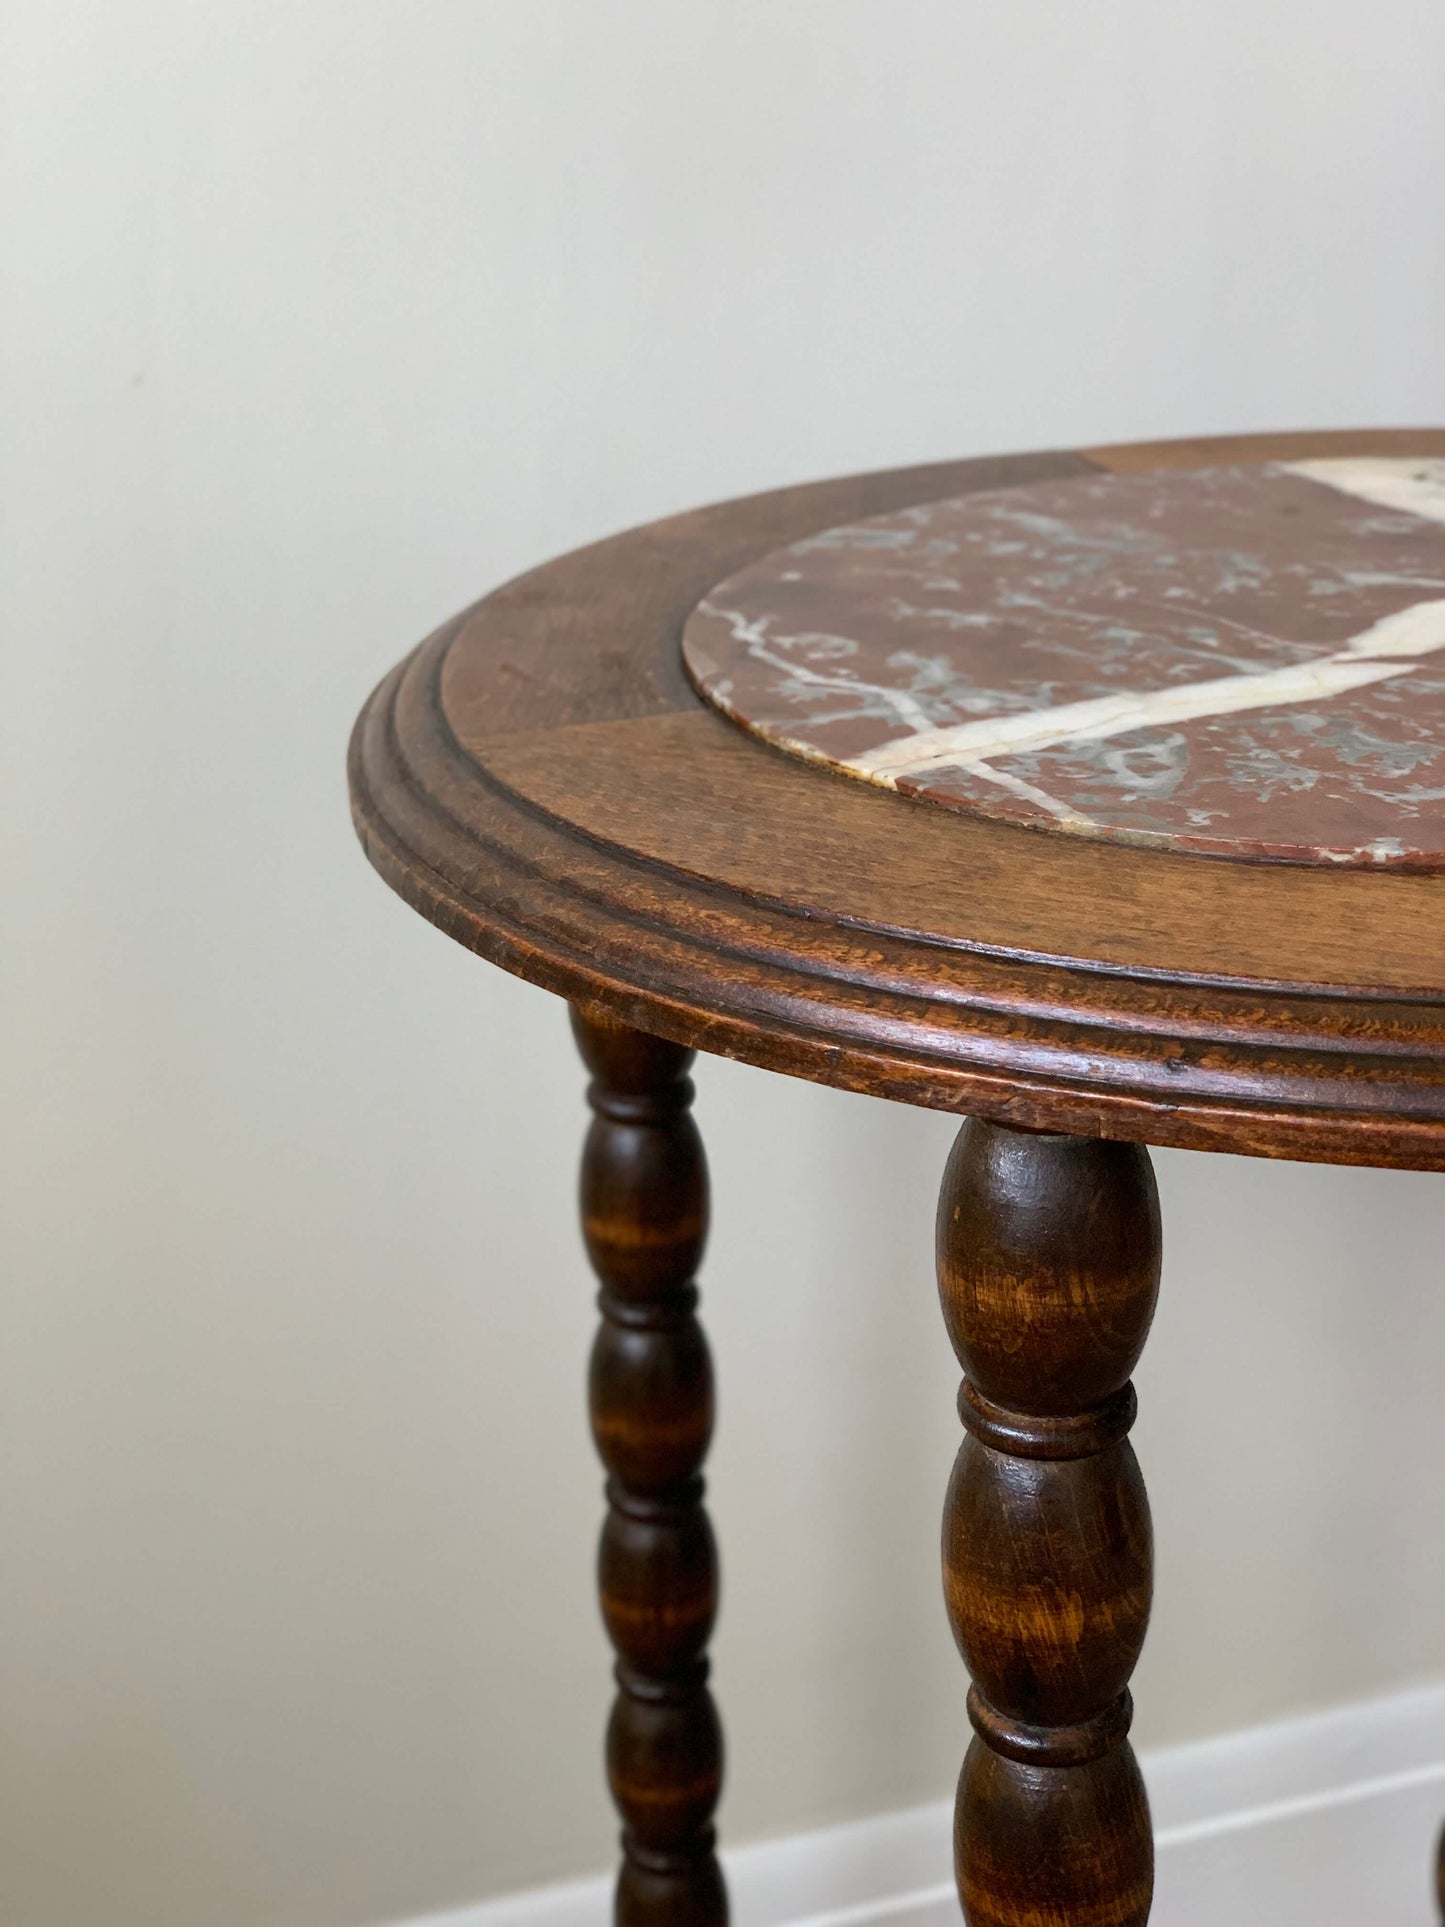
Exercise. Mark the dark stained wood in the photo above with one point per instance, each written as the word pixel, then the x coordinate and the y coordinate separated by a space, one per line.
pixel 667 791
pixel 644 1220
pixel 555 647
pixel 541 783
pixel 1298 445
pixel 1048 1269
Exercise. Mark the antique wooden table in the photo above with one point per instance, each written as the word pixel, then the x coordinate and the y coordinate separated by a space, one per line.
pixel 1098 797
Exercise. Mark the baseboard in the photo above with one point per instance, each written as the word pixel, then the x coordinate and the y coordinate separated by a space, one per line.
pixel 1325 1821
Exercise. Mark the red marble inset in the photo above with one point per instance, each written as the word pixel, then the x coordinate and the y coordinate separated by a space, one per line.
pixel 1245 662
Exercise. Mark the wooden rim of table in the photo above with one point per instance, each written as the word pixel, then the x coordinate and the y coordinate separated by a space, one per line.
pixel 541 782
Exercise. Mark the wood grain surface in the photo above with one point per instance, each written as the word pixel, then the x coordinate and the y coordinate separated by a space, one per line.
pixel 644 1199
pixel 541 782
pixel 1048 1272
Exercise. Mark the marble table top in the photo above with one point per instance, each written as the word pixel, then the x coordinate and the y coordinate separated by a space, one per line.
pixel 1246 662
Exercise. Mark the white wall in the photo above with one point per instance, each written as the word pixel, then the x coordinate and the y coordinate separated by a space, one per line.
pixel 319 320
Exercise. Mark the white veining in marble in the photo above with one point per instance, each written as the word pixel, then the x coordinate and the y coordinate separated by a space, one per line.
pixel 1246 660
pixel 1387 648
pixel 1415 486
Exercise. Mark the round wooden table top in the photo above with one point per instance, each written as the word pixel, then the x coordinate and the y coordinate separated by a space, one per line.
pixel 1149 842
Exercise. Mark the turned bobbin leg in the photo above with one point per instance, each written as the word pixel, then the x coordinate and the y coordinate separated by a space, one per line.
pixel 644 1219
pixel 1048 1266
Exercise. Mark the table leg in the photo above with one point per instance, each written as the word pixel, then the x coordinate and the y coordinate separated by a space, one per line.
pixel 1440 1875
pixel 644 1219
pixel 1048 1265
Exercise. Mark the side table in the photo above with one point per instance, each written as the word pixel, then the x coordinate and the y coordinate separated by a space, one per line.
pixel 1098 797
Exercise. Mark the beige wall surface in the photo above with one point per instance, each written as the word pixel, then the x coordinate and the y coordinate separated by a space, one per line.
pixel 318 321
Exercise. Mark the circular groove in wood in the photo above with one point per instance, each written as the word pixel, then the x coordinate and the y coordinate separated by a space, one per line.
pixel 1072 1435
pixel 575 828
pixel 1051 1745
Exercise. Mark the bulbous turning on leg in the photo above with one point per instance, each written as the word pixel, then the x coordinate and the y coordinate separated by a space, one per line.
pixel 644 1219
pixel 1048 1268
